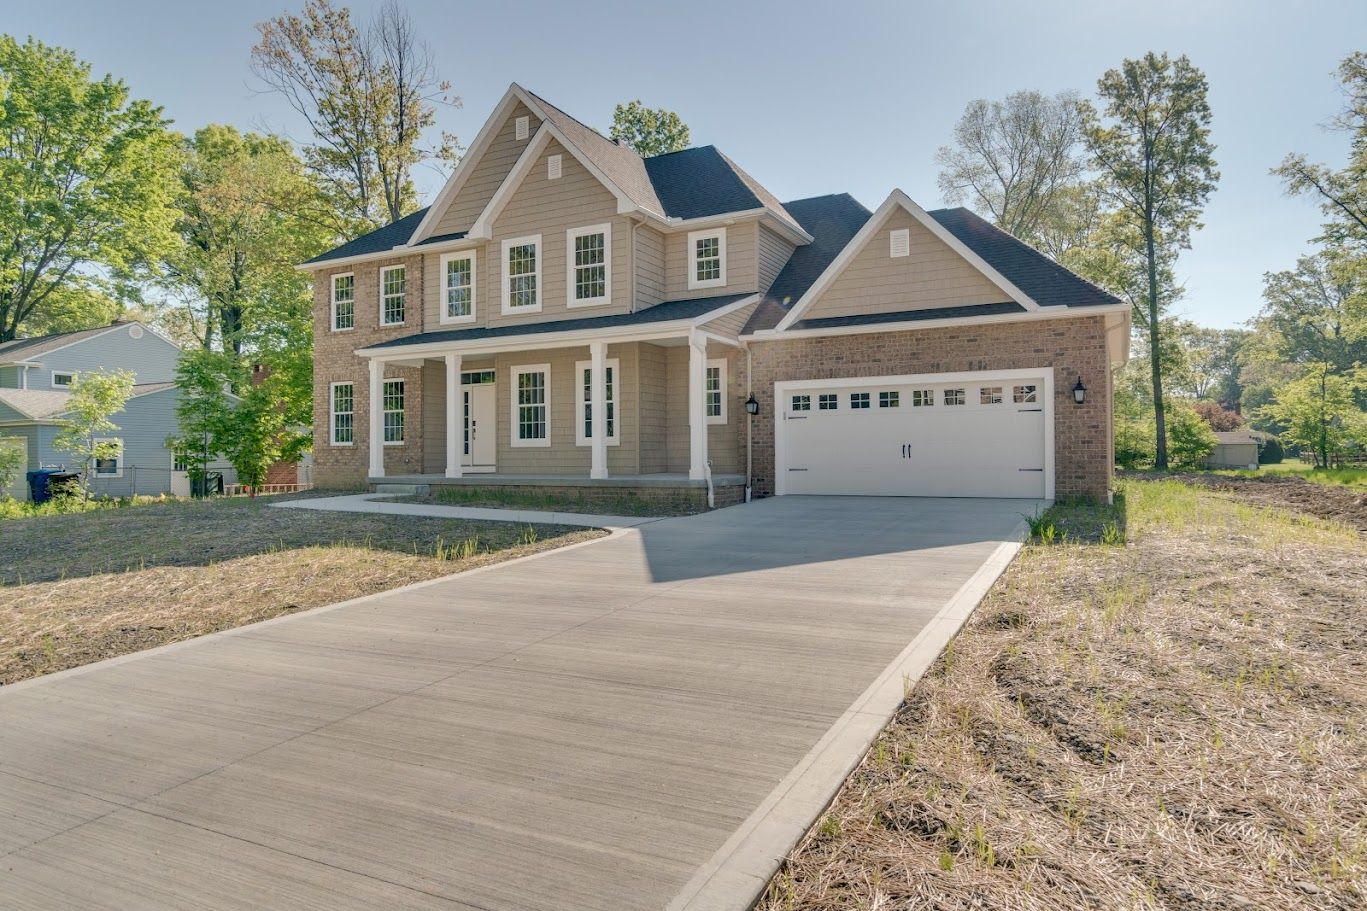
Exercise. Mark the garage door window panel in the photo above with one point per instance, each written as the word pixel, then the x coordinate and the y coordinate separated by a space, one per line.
pixel 922 398
pixel 1025 395
pixel 828 402
pixel 955 397
pixel 859 400
pixel 802 403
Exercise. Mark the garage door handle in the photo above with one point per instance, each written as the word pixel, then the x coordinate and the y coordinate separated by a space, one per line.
pixel 1023 410
pixel 906 450
pixel 1029 469
pixel 797 469
pixel 796 417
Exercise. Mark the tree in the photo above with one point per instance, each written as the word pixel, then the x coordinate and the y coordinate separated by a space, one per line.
pixel 650 131
pixel 1157 160
pixel 203 377
pixel 1316 313
pixel 87 177
pixel 95 397
pixel 13 454
pixel 368 95
pixel 1214 359
pixel 1319 411
pixel 1217 417
pixel 1017 161
pixel 1191 437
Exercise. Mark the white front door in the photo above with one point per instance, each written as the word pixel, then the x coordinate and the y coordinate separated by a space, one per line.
pixel 481 434
pixel 964 435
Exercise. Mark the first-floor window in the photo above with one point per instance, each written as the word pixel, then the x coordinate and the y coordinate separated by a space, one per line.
pixel 108 457
pixel 585 400
pixel 714 392
pixel 1023 395
pixel 802 403
pixel 531 417
pixel 859 400
pixel 344 414
pixel 393 411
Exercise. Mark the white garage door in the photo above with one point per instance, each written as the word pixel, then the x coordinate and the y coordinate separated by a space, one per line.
pixel 896 436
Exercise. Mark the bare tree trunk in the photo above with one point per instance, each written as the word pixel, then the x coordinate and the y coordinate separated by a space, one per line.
pixel 1160 461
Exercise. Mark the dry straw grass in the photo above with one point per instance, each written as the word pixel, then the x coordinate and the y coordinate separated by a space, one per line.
pixel 1177 722
pixel 124 580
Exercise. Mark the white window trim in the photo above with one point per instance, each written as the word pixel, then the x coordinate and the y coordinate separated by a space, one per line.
pixel 332 285
pixel 56 373
pixel 332 414
pixel 715 418
pixel 693 238
pixel 570 236
pixel 383 411
pixel 580 401
pixel 534 240
pixel 384 270
pixel 118 460
pixel 514 374
pixel 443 317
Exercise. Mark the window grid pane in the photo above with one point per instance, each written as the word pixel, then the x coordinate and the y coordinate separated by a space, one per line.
pixel 343 414
pixel 1022 395
pixel 610 400
pixel 922 398
pixel 889 399
pixel 713 392
pixel 827 402
pixel 708 258
pixel 395 281
pixel 344 302
pixel 590 267
pixel 954 397
pixel 990 395
pixel 458 287
pixel 393 411
pixel 859 400
pixel 531 406
pixel 522 275
pixel 802 403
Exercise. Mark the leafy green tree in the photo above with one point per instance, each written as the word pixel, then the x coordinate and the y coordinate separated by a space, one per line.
pixel 1018 161
pixel 650 131
pixel 96 396
pixel 369 96
pixel 1151 144
pixel 12 456
pixel 256 436
pixel 1316 313
pixel 87 177
pixel 204 378
pixel 1190 436
pixel 1320 413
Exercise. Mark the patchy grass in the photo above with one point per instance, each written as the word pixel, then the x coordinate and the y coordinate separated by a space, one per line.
pixel 603 502
pixel 1345 477
pixel 79 588
pixel 1172 722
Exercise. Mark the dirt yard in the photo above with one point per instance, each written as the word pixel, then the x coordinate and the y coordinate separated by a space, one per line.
pixel 1328 501
pixel 1176 722
pixel 79 588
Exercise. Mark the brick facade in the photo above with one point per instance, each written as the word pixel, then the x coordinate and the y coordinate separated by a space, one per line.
pixel 1072 346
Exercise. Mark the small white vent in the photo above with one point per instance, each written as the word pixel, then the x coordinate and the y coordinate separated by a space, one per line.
pixel 553 167
pixel 899 243
pixel 520 127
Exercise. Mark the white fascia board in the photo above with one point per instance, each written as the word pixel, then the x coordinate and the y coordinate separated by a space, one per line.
pixel 446 246
pixel 897 199
pixel 1043 313
pixel 679 225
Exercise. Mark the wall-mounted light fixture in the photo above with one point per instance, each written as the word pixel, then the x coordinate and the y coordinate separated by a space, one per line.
pixel 751 406
pixel 1079 391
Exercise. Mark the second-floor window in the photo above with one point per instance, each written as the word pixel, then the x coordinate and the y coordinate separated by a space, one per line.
pixel 707 258
pixel 60 379
pixel 589 256
pixel 343 302
pixel 522 275
pixel 458 277
pixel 393 291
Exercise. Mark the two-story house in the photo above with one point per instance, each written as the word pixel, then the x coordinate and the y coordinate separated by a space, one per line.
pixel 35 379
pixel 569 314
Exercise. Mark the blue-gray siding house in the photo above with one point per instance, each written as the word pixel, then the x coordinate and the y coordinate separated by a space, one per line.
pixel 34 374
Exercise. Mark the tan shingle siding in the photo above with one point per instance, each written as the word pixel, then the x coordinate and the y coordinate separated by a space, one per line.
pixel 488 173
pixel 773 256
pixel 740 264
pixel 650 267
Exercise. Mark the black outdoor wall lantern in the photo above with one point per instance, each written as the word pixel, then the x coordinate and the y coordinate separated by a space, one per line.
pixel 1079 391
pixel 751 406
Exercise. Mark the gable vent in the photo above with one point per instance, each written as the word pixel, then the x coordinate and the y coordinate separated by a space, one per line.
pixel 553 167
pixel 899 243
pixel 520 127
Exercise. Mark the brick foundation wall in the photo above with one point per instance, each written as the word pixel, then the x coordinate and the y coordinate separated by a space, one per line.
pixel 1072 346
pixel 695 497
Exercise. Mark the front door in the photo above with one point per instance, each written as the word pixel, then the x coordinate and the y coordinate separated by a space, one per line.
pixel 480 427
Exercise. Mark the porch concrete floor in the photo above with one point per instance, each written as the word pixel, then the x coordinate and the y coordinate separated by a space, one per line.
pixel 659 479
pixel 643 721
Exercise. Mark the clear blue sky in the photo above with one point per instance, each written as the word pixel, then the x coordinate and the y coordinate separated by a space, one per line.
pixel 811 97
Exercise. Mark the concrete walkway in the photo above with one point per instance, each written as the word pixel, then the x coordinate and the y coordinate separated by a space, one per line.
pixel 380 503
pixel 648 720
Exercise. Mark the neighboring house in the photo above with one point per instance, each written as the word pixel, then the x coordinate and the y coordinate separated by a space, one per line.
pixel 35 374
pixel 559 276
pixel 1234 449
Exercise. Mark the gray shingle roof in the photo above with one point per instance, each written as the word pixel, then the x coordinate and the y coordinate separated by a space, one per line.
pixel 672 310
pixel 20 349
pixel 910 316
pixel 35 403
pixel 378 241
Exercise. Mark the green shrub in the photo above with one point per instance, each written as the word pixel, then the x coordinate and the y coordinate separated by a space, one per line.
pixel 1270 451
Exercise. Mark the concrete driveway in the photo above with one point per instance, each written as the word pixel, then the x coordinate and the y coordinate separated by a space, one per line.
pixel 645 721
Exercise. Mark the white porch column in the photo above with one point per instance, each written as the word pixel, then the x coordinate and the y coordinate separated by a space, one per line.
pixel 697 407
pixel 376 418
pixel 598 408
pixel 455 417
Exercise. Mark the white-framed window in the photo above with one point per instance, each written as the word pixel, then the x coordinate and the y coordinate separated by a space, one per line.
pixel 714 391
pixel 827 401
pixel 583 401
pixel 393 412
pixel 343 302
pixel 531 395
pixel 522 274
pixel 890 399
pixel 899 243
pixel 802 403
pixel 859 401
pixel 393 294
pixel 955 397
pixel 707 258
pixel 109 465
pixel 342 407
pixel 62 379
pixel 588 265
pixel 922 398
pixel 458 287
pixel 990 395
pixel 1026 394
